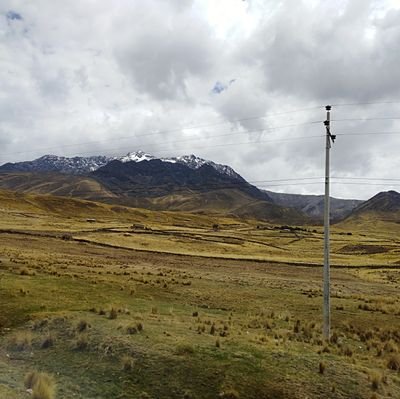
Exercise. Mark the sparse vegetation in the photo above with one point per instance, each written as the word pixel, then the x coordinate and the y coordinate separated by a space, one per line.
pixel 261 318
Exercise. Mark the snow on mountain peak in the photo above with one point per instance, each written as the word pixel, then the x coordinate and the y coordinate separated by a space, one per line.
pixel 137 156
pixel 81 165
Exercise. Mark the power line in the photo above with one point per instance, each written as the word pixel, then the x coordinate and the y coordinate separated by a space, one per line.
pixel 366 178
pixel 366 119
pixel 368 134
pixel 365 103
pixel 334 183
pixel 170 142
pixel 144 146
pixel 191 127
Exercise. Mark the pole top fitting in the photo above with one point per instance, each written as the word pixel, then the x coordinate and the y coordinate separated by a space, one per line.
pixel 326 123
pixel 328 107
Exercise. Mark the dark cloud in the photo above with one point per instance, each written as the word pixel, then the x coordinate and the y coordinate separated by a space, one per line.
pixel 140 74
pixel 323 53
pixel 163 49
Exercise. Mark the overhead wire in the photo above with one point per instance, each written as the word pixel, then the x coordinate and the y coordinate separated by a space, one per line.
pixel 275 182
pixel 183 128
pixel 185 140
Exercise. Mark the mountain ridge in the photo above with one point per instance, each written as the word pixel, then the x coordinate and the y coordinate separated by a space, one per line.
pixel 385 204
pixel 83 165
pixel 313 205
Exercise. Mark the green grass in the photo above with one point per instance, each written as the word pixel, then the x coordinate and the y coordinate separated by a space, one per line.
pixel 265 316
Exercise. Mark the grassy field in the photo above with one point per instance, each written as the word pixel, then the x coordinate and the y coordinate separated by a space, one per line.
pixel 138 304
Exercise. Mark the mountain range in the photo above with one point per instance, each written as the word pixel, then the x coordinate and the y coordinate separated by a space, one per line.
pixel 185 183
pixel 84 165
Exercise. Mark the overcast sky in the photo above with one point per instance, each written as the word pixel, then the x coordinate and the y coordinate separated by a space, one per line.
pixel 238 82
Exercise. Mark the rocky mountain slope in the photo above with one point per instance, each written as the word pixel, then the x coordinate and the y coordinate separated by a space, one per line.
pixel 313 205
pixel 384 206
pixel 141 179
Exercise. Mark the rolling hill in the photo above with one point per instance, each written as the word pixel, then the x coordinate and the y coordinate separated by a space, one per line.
pixel 237 199
pixel 187 183
pixel 313 205
pixel 383 206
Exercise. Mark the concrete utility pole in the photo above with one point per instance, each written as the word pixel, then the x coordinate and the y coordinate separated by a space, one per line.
pixel 327 312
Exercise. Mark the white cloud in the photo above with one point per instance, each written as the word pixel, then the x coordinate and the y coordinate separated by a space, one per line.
pixel 115 73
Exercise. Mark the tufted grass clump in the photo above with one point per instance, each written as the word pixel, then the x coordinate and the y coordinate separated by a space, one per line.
pixel 322 367
pixel 47 342
pixel 81 343
pixel 184 349
pixel 394 362
pixel 41 384
pixel 127 362
pixel 20 341
pixel 82 325
pixel 113 314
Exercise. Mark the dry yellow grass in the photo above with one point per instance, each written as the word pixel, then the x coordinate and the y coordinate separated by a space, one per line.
pixel 198 325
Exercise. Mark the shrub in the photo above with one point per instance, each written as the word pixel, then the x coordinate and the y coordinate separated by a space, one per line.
pixel 42 385
pixel 47 342
pixel 24 272
pixel 212 329
pixel 113 314
pixel 322 367
pixel 127 363
pixel 334 338
pixel 82 342
pixel 394 362
pixel 347 351
pixel 131 330
pixel 82 326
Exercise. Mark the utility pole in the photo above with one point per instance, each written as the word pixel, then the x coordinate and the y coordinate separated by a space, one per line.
pixel 326 311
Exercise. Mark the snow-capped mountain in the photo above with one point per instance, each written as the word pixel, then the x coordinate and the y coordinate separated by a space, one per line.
pixel 54 163
pixel 82 165
pixel 137 156
pixel 191 161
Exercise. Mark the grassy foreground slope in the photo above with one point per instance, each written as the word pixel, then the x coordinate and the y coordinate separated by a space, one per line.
pixel 109 321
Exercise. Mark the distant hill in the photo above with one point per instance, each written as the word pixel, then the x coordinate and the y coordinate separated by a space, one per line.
pixel 313 205
pixel 384 205
pixel 57 184
pixel 173 187
pixel 187 183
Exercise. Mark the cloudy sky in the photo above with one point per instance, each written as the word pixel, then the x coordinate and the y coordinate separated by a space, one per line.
pixel 240 82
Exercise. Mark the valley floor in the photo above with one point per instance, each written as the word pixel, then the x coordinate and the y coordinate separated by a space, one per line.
pixel 94 307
